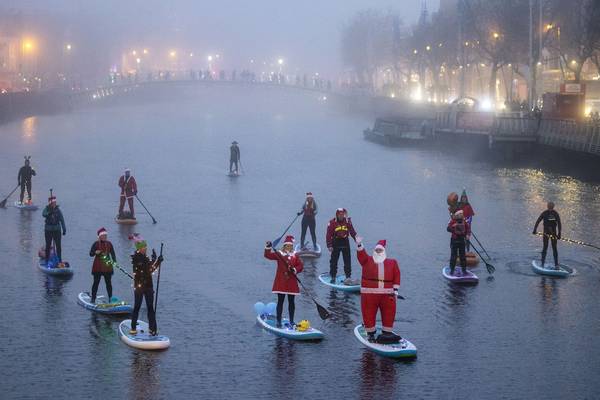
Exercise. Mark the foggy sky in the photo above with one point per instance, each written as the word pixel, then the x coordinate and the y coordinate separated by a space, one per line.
pixel 304 32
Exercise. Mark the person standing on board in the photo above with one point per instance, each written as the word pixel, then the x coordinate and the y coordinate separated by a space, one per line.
pixel 234 157
pixel 285 283
pixel 143 287
pixel 552 231
pixel 460 230
pixel 339 230
pixel 378 291
pixel 24 180
pixel 101 250
pixel 309 212
pixel 128 192
pixel 468 213
pixel 52 227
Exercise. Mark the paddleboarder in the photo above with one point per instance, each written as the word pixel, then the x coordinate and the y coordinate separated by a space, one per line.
pixel 552 231
pixel 143 288
pixel 460 230
pixel 339 230
pixel 54 223
pixel 24 180
pixel 378 291
pixel 128 192
pixel 234 157
pixel 468 213
pixel 309 212
pixel 285 283
pixel 101 250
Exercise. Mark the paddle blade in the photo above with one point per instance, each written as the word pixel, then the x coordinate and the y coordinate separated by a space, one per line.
pixel 3 203
pixel 490 268
pixel 275 243
pixel 323 312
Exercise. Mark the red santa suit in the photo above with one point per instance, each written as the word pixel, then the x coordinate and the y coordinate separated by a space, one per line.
pixel 285 282
pixel 128 191
pixel 379 284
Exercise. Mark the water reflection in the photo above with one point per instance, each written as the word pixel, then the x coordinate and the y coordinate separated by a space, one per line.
pixel 377 376
pixel 29 128
pixel 284 363
pixel 25 231
pixel 145 375
pixel 54 285
pixel 343 307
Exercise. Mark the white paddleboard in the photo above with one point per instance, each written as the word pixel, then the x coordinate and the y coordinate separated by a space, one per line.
pixel 549 270
pixel 308 252
pixel 102 306
pixel 142 340
pixel 402 349
pixel 25 206
pixel 459 277
pixel 339 283
pixel 269 322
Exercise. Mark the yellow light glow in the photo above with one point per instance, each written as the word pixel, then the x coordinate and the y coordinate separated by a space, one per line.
pixel 28 45
pixel 145 51
pixel 549 26
pixel 496 35
pixel 134 53
pixel 172 53
pixel 573 62
pixel 68 46
pixel 428 48
pixel 415 51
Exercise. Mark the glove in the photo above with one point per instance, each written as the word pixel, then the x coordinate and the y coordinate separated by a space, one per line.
pixel 299 213
pixel 160 259
pixel 558 237
pixel 269 245
pixel 293 270
pixel 358 240
pixel 535 232
pixel 64 232
pixel 153 254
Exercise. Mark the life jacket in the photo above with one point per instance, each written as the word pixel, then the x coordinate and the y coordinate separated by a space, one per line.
pixel 341 230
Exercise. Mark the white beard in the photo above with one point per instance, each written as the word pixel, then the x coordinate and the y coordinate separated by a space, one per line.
pixel 379 257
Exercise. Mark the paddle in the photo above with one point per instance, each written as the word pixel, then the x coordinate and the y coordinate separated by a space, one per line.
pixel 490 267
pixel 241 166
pixel 276 241
pixel 3 202
pixel 138 199
pixel 569 240
pixel 158 280
pixel 108 260
pixel 323 312
pixel 480 245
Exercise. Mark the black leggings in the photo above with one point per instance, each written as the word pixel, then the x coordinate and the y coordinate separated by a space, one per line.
pixel 545 250
pixel 335 256
pixel 149 295
pixel 457 248
pixel 25 185
pixel 291 306
pixel 50 236
pixel 107 279
pixel 310 223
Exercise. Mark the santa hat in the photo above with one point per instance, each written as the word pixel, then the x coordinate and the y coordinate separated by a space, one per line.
pixel 340 211
pixel 52 199
pixel 138 240
pixel 289 239
pixel 381 244
pixel 127 169
pixel 309 194
pixel 102 231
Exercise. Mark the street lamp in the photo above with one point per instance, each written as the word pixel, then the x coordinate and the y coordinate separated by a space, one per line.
pixel 145 51
pixel 68 47
pixel 210 58
pixel 496 35
pixel 134 53
pixel 172 54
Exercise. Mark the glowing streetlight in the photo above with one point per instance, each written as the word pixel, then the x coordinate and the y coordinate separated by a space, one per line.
pixel 172 54
pixel 549 26
pixel 134 53
pixel 428 48
pixel 415 51
pixel 28 45
pixel 68 47
pixel 280 61
pixel 209 58
pixel 145 51
pixel 138 60
pixel 496 35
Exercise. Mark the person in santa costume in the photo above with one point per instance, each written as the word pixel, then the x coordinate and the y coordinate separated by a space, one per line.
pixel 460 230
pixel 285 283
pixel 339 230
pixel 468 213
pixel 101 249
pixel 378 291
pixel 128 192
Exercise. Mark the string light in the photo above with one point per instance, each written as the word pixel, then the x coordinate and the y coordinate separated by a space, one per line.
pixel 579 242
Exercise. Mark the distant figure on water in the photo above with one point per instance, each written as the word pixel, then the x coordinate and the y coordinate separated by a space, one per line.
pixel 24 179
pixel 143 287
pixel 309 212
pixel 128 192
pixel 378 291
pixel 552 231
pixel 460 230
pixel 339 231
pixel 54 223
pixel 468 213
pixel 103 252
pixel 234 158
pixel 288 265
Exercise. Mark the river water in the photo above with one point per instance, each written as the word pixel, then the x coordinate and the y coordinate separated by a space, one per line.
pixel 515 336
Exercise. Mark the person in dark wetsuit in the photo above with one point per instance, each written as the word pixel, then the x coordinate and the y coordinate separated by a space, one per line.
pixel 24 180
pixel 309 209
pixel 143 267
pixel 552 231
pixel 234 157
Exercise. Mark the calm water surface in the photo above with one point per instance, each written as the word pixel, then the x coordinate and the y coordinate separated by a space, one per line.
pixel 516 336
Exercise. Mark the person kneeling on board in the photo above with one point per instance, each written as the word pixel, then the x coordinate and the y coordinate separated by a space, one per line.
pixel 143 267
pixel 101 250
pixel 288 265
pixel 378 291
pixel 552 231
pixel 460 230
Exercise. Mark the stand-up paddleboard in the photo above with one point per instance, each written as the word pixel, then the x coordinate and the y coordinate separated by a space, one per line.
pixel 61 269
pixel 125 221
pixel 233 174
pixel 308 251
pixel 25 206
pixel 142 340
pixel 269 322
pixel 458 276
pixel 549 270
pixel 103 306
pixel 339 283
pixel 402 349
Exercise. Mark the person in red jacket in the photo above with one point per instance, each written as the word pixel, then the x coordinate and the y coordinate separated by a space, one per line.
pixel 288 265
pixel 128 192
pixel 460 230
pixel 468 213
pixel 339 230
pixel 378 291
pixel 101 249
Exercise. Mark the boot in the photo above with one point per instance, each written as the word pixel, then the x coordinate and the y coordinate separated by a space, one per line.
pixel 332 281
pixel 464 271
pixel 388 338
pixel 371 337
pixel 278 325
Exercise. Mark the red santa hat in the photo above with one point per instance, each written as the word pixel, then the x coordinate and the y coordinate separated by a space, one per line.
pixel 381 244
pixel 289 239
pixel 341 211
pixel 127 169
pixel 102 231
pixel 309 194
